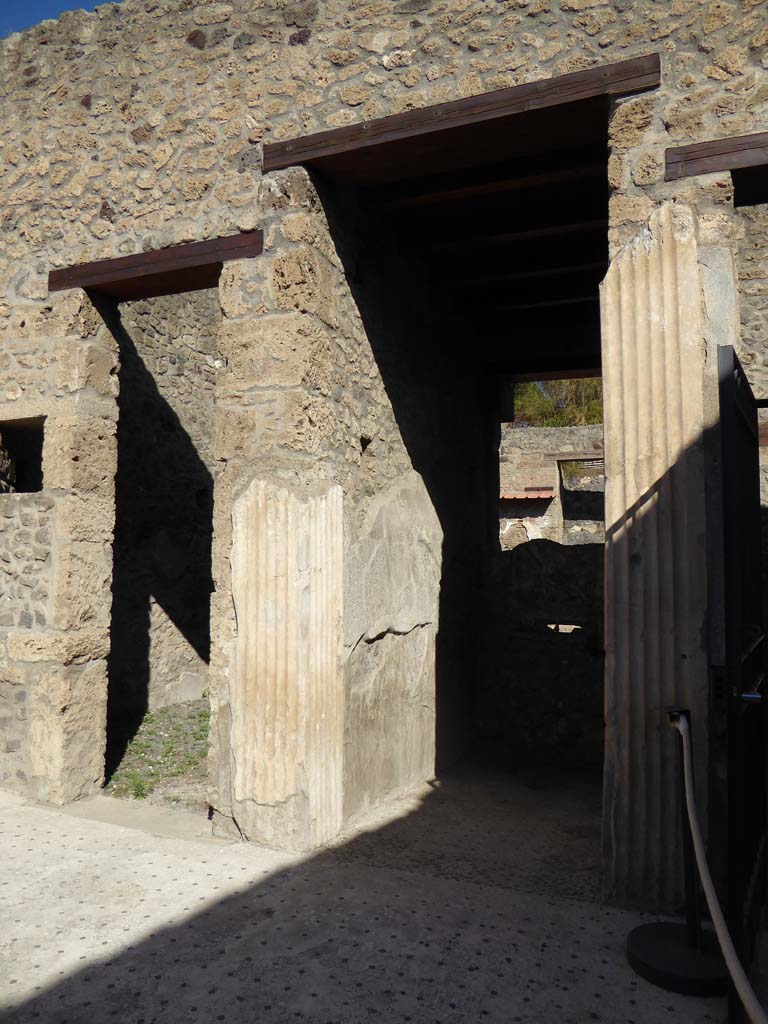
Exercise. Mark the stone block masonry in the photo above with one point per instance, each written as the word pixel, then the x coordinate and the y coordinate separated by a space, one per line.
pixel 56 552
pixel 319 387
pixel 140 125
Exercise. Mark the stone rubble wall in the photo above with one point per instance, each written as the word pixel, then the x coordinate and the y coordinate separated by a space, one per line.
pixel 517 441
pixel 59 362
pixel 164 500
pixel 140 125
pixel 26 564
pixel 752 276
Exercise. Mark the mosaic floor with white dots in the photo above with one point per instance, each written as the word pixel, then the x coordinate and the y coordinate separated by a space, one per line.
pixel 478 903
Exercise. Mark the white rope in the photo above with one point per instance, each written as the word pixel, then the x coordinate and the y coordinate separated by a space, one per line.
pixel 741 982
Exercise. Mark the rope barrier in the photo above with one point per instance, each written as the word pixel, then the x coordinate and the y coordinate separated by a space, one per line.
pixel 738 975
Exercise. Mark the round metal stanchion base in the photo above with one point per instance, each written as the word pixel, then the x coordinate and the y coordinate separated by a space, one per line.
pixel 660 953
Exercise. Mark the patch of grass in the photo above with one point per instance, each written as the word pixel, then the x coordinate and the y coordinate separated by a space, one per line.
pixel 572 471
pixel 136 786
pixel 171 744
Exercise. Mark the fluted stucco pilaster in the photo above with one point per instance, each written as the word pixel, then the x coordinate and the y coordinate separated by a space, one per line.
pixel 286 687
pixel 658 387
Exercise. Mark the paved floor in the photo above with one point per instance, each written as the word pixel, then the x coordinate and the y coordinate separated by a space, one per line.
pixel 474 902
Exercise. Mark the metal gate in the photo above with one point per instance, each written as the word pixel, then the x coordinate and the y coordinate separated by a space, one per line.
pixel 738 711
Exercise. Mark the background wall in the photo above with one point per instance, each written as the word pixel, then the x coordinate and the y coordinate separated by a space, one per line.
pixel 532 457
pixel 539 702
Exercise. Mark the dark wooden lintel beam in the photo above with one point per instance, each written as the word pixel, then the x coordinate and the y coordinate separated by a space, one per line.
pixel 620 79
pixel 729 154
pixel 179 268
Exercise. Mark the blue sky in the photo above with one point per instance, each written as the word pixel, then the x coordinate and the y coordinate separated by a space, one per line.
pixel 16 15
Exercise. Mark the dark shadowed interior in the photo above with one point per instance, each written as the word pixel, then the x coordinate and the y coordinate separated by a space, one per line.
pixel 160 631
pixel 472 263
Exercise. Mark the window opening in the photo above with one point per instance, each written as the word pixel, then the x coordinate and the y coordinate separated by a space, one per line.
pixel 21 456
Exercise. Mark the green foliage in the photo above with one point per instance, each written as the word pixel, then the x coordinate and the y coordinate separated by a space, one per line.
pixel 137 787
pixel 171 742
pixel 571 471
pixel 560 403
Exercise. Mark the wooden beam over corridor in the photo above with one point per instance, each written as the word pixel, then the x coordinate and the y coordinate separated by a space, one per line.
pixel 620 79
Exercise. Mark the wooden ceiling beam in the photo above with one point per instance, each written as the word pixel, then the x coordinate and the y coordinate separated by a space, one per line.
pixel 531 181
pixel 598 267
pixel 519 211
pixel 574 300
pixel 498 169
pixel 620 79
pixel 553 331
pixel 523 257
pixel 538 294
pixel 503 237
pixel 513 212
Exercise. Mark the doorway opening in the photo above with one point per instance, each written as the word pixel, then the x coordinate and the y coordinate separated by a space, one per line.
pixel 540 700
pixel 160 633
pixel 472 265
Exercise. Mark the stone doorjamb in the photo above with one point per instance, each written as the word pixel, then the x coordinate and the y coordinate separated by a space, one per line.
pixel 668 300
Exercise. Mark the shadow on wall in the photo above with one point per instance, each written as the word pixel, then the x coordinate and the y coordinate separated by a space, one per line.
pixel 162 545
pixel 539 699
pixel 445 408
